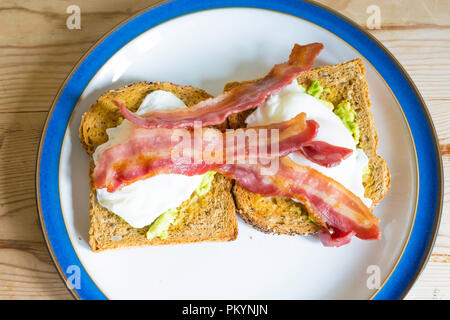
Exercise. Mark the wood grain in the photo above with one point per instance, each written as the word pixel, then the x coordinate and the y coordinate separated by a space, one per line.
pixel 37 51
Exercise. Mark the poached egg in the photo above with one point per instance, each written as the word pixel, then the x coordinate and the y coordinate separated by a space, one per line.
pixel 141 202
pixel 292 100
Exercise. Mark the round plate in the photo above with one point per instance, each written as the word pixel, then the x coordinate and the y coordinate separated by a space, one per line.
pixel 207 44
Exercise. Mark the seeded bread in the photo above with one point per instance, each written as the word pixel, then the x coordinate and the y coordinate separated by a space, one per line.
pixel 346 81
pixel 210 217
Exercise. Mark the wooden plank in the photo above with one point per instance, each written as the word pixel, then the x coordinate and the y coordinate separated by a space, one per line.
pixel 434 283
pixel 401 15
pixel 26 270
pixel 37 51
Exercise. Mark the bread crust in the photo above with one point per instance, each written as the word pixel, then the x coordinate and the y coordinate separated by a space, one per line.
pixel 210 217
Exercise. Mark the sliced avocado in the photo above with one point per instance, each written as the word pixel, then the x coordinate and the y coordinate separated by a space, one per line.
pixel 315 89
pixel 159 227
pixel 348 117
pixel 205 185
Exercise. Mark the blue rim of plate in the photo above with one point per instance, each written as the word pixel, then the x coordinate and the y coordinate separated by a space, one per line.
pixel 429 208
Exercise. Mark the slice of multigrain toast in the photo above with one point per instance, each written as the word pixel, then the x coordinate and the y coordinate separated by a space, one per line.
pixel 346 81
pixel 210 217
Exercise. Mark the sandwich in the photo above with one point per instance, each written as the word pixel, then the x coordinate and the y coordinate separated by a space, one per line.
pixel 337 96
pixel 166 209
pixel 163 170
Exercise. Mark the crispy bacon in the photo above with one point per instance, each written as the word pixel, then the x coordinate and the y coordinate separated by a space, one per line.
pixel 340 212
pixel 148 152
pixel 325 154
pixel 246 96
pixel 329 203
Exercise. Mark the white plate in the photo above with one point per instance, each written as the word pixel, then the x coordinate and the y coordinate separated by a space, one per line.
pixel 208 49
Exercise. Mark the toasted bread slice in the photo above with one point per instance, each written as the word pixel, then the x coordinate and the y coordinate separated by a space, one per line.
pixel 276 215
pixel 210 217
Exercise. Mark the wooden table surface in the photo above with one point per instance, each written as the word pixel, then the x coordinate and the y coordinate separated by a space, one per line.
pixel 37 51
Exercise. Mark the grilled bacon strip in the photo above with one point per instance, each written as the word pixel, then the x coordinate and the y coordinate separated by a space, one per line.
pixel 214 111
pixel 340 212
pixel 148 152
pixel 329 203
